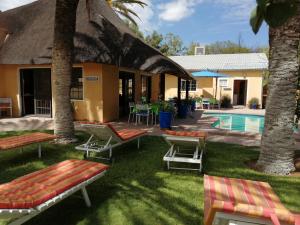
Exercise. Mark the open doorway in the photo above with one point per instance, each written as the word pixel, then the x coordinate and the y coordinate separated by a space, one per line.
pixel 240 92
pixel 36 91
pixel 126 92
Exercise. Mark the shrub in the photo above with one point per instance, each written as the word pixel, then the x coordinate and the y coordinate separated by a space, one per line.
pixel 165 106
pixel 225 101
pixel 253 103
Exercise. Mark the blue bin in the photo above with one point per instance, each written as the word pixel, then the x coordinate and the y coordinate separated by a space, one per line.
pixel 165 119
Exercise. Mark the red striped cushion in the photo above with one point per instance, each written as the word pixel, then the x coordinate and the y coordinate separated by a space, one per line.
pixel 127 134
pixel 245 197
pixel 23 140
pixel 200 134
pixel 36 188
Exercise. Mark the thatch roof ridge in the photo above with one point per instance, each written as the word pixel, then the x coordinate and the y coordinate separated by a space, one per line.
pixel 100 38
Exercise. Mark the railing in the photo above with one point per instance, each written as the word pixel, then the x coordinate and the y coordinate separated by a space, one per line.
pixel 42 107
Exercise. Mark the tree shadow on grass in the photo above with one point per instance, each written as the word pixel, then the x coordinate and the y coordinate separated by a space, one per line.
pixel 137 189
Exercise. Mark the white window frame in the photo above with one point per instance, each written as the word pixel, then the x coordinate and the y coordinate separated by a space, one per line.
pixel 223 80
pixel 189 86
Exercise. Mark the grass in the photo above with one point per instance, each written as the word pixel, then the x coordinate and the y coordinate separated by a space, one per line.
pixel 137 189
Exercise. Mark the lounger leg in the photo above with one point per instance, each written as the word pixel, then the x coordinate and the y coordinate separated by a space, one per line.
pixel 86 197
pixel 40 151
pixel 138 144
pixel 110 152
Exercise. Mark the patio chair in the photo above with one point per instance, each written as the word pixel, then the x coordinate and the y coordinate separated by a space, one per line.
pixel 112 138
pixel 30 195
pixel 19 142
pixel 132 111
pixel 214 103
pixel 6 105
pixel 142 110
pixel 185 147
pixel 229 201
pixel 206 103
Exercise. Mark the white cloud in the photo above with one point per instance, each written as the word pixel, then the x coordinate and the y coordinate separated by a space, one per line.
pixel 177 10
pixel 146 15
pixel 236 9
pixel 10 4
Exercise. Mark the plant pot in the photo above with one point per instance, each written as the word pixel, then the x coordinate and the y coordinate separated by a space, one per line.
pixel 193 106
pixel 165 119
pixel 253 106
pixel 183 111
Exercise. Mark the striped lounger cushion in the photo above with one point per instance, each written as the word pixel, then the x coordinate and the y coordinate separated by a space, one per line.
pixel 199 134
pixel 245 198
pixel 36 188
pixel 23 140
pixel 124 134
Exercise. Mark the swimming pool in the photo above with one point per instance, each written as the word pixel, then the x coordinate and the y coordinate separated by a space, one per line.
pixel 239 122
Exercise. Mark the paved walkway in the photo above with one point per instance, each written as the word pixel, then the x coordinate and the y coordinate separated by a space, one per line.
pixel 195 122
pixel 26 123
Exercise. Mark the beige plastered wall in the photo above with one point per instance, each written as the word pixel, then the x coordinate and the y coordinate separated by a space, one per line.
pixel 100 97
pixel 207 86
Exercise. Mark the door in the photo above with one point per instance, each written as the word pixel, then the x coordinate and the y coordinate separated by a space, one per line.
pixel 126 92
pixel 240 92
pixel 27 91
pixel 42 92
pixel 36 91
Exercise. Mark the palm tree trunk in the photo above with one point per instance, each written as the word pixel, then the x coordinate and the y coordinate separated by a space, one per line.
pixel 278 144
pixel 62 61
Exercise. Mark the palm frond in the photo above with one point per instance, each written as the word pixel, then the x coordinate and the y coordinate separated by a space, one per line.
pixel 121 7
pixel 127 16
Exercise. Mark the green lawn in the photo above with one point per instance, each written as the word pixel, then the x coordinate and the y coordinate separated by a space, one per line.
pixel 137 189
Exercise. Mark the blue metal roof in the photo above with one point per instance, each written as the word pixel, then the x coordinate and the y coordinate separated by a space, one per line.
pixel 207 73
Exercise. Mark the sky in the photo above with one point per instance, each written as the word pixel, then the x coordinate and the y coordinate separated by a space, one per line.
pixel 201 21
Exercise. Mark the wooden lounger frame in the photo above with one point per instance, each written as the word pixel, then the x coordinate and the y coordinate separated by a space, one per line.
pixel 103 132
pixel 21 147
pixel 23 215
pixel 180 155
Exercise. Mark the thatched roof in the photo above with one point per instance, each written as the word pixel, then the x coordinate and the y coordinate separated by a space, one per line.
pixel 103 38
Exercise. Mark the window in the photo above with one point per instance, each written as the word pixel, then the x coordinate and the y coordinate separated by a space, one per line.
pixel 146 88
pixel 77 84
pixel 192 87
pixel 223 82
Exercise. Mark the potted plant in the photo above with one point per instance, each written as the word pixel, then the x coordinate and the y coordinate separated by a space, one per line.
pixel 166 111
pixel 183 108
pixel 253 103
pixel 225 101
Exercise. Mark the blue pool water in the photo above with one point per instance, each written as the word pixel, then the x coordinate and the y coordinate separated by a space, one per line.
pixel 239 122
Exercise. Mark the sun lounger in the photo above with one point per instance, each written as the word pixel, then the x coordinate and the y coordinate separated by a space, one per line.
pixel 179 141
pixel 112 137
pixel 243 202
pixel 28 196
pixel 16 142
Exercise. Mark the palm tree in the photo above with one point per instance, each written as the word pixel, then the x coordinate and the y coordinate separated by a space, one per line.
pixel 121 7
pixel 62 61
pixel 278 144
